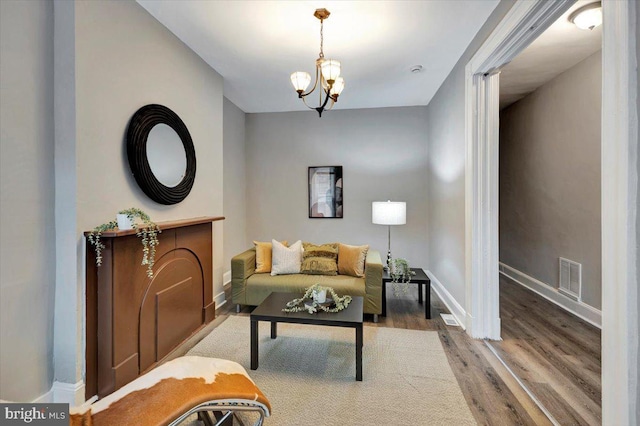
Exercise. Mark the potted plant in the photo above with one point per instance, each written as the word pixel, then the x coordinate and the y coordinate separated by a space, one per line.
pixel 401 274
pixel 148 232
pixel 315 299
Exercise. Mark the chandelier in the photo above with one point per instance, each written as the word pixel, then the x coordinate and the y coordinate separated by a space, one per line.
pixel 328 79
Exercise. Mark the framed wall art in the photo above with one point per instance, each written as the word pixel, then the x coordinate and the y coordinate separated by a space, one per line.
pixel 325 192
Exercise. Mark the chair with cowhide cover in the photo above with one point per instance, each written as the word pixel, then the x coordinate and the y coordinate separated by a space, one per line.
pixel 170 393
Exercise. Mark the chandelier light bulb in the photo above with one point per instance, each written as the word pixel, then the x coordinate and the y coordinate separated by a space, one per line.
pixel 337 87
pixel 300 80
pixel 330 70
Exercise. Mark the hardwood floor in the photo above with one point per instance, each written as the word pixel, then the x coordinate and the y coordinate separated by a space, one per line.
pixel 493 395
pixel 555 354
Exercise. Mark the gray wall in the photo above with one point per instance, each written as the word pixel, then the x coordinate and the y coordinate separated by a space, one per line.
pixel 235 186
pixel 126 59
pixel 27 247
pixel 445 174
pixel 110 59
pixel 550 178
pixel 383 154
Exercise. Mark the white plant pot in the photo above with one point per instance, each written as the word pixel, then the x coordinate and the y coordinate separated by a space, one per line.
pixel 124 222
pixel 320 296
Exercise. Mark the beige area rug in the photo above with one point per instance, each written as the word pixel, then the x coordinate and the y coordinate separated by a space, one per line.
pixel 308 374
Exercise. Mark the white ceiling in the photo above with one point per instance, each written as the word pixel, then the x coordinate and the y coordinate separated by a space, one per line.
pixel 559 48
pixel 256 45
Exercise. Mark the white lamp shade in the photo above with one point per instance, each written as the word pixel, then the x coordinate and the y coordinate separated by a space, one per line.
pixel 337 87
pixel 389 212
pixel 300 80
pixel 330 69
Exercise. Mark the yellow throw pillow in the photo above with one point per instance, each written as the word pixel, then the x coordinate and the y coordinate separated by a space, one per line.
pixel 319 260
pixel 263 256
pixel 351 260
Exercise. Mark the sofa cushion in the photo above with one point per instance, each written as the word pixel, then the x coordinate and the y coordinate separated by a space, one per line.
pixel 259 286
pixel 286 260
pixel 320 260
pixel 351 259
pixel 263 255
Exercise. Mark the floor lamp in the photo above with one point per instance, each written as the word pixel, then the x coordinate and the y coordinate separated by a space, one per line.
pixel 389 213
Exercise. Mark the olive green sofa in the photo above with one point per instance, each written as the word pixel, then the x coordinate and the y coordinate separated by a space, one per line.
pixel 249 288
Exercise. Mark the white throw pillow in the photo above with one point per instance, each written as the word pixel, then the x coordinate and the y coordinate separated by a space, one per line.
pixel 286 260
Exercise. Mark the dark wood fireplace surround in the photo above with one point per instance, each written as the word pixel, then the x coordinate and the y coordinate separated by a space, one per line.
pixel 133 322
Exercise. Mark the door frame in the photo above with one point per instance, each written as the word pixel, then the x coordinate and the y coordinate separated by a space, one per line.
pixel 523 24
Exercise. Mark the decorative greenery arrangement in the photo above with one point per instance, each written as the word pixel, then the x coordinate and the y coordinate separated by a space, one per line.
pixel 401 274
pixel 298 305
pixel 148 233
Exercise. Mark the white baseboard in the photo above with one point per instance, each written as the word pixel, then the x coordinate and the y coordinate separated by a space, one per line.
pixel 226 278
pixel 450 302
pixel 70 393
pixel 582 310
pixel 46 398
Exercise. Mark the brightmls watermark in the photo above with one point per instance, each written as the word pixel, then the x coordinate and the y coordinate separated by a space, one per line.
pixel 34 414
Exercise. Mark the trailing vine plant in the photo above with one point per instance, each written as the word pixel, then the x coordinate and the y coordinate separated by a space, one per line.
pixel 401 274
pixel 147 232
pixel 299 305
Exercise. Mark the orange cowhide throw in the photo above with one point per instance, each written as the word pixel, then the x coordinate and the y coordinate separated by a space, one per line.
pixel 166 392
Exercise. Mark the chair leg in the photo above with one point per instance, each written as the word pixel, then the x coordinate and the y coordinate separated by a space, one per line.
pixel 204 417
pixel 375 318
pixel 238 308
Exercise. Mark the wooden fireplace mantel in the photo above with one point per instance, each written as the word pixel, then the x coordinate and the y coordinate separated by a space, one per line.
pixel 133 321
pixel 170 224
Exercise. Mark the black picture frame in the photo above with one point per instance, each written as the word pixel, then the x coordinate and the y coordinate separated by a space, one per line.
pixel 326 192
pixel 138 131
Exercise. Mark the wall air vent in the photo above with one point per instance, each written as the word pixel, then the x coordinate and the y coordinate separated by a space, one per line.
pixel 570 279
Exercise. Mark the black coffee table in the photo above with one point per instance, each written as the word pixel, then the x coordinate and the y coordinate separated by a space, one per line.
pixel 419 278
pixel 271 310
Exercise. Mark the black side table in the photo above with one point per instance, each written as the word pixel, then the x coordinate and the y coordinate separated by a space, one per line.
pixel 419 278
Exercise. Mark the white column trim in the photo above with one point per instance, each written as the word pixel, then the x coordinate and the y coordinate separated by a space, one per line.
pixel 68 343
pixel 481 202
pixel 619 210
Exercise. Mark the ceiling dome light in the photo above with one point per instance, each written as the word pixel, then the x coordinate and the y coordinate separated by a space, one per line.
pixel 587 17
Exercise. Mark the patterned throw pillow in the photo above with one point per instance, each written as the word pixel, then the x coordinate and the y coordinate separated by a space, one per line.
pixel 263 256
pixel 286 260
pixel 351 260
pixel 320 260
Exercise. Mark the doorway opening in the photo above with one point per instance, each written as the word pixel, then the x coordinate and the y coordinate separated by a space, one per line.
pixel 523 24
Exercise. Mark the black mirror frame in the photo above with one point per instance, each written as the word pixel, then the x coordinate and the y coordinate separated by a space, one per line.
pixel 137 133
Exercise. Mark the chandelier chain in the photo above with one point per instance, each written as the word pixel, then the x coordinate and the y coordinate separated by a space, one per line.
pixel 321 39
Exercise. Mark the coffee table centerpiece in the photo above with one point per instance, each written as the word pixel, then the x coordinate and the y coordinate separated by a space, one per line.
pixel 315 298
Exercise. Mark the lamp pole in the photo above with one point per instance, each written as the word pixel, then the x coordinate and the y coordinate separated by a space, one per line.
pixel 389 250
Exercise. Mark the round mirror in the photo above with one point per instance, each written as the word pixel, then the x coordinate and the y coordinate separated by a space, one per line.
pixel 166 155
pixel 161 154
